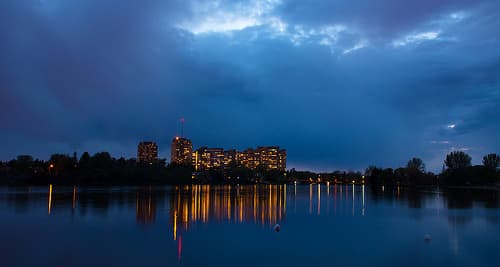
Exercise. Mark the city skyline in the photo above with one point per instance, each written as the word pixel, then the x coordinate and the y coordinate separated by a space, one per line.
pixel 341 85
pixel 182 152
pixel 205 158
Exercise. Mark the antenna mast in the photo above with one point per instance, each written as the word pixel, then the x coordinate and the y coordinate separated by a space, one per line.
pixel 182 127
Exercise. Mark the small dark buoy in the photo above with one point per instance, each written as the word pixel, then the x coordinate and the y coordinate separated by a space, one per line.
pixel 427 238
pixel 277 227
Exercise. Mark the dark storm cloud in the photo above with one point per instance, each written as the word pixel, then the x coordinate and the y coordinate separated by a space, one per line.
pixel 100 69
pixel 339 84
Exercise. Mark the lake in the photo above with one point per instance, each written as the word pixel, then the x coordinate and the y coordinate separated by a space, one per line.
pixel 320 225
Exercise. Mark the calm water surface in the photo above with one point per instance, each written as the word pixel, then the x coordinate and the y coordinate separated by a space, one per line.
pixel 233 226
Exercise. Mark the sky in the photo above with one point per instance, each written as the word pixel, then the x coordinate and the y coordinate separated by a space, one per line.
pixel 339 84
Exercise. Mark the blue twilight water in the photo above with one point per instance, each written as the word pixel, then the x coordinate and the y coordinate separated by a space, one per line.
pixel 233 226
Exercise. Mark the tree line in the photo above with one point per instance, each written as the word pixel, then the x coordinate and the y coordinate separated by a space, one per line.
pixel 102 169
pixel 457 171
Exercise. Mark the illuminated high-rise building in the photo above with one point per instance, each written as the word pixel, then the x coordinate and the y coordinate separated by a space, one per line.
pixel 267 157
pixel 248 158
pixel 272 157
pixel 147 152
pixel 282 160
pixel 230 159
pixel 181 151
pixel 208 158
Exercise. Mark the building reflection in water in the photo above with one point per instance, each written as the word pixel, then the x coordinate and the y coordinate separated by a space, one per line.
pixel 264 205
pixel 145 208
pixel 187 205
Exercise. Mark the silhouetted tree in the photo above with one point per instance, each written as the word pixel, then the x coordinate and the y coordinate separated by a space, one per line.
pixel 457 160
pixel 22 165
pixel 25 159
pixel 491 161
pixel 387 177
pixel 414 174
pixel 121 162
pixel 379 176
pixel 416 164
pixel 101 160
pixel 369 171
pixel 84 160
pixel 23 162
pixel 402 175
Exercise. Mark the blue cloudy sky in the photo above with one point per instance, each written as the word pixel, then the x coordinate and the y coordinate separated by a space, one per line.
pixel 339 84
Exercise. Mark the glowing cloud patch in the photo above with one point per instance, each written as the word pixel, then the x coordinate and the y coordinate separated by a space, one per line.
pixel 222 23
pixel 445 142
pixel 278 25
pixel 359 45
pixel 325 42
pixel 213 17
pixel 458 16
pixel 325 35
pixel 416 38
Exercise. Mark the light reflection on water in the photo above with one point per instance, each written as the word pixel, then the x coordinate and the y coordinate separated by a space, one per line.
pixel 265 205
pixel 199 224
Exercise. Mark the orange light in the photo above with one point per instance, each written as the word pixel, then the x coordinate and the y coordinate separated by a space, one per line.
pixel 50 198
pixel 51 166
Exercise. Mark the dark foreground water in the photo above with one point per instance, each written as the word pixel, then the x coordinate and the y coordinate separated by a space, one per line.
pixel 233 226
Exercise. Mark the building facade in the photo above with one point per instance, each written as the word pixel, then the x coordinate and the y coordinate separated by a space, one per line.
pixel 208 158
pixel 230 159
pixel 181 151
pixel 267 158
pixel 272 158
pixel 147 152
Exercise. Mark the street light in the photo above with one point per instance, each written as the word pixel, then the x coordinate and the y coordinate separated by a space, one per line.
pixel 51 166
